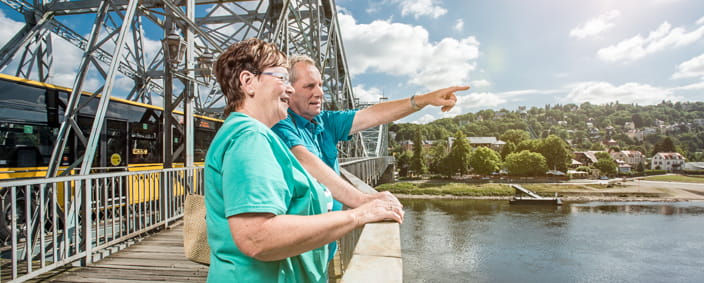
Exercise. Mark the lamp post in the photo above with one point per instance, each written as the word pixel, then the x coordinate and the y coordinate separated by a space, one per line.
pixel 175 48
pixel 205 64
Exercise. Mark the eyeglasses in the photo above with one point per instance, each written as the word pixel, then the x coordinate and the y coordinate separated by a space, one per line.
pixel 283 77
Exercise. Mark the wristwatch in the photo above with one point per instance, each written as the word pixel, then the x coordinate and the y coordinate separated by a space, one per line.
pixel 413 103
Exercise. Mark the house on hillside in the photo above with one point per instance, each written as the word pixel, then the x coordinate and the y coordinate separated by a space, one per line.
pixel 490 142
pixel 408 144
pixel 623 167
pixel 587 158
pixel 699 166
pixel 670 161
pixel 630 157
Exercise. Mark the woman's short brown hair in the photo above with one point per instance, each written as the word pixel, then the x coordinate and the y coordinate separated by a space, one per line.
pixel 251 55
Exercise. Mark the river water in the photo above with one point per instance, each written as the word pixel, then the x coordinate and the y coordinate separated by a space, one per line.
pixel 492 241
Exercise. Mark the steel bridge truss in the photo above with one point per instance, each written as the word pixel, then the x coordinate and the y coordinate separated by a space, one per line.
pixel 117 48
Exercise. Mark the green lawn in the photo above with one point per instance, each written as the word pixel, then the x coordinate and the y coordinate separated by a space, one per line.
pixel 676 178
pixel 462 189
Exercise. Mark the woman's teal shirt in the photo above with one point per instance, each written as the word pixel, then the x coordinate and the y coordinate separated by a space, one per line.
pixel 249 170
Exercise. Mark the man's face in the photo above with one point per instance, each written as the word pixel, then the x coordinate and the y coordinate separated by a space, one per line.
pixel 307 100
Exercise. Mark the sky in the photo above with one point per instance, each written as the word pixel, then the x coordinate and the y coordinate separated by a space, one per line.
pixel 525 53
pixel 511 53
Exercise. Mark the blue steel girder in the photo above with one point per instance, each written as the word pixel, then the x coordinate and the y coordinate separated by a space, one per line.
pixel 298 27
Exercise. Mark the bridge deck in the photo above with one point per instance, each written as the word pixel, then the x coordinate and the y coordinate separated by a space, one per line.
pixel 158 257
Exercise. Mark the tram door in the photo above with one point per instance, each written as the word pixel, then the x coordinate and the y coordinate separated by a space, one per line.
pixel 111 154
pixel 115 145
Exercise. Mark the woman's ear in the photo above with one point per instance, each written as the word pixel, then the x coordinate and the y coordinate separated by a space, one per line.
pixel 247 79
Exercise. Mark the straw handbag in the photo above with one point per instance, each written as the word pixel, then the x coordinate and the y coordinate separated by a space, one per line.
pixel 195 232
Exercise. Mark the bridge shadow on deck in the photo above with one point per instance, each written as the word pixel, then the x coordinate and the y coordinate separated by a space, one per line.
pixel 158 257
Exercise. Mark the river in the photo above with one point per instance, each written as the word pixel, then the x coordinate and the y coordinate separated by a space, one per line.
pixel 491 241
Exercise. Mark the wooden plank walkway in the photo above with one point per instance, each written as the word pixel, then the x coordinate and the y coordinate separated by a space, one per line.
pixel 159 257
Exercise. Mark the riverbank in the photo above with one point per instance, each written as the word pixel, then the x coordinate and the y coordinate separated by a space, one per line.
pixel 586 190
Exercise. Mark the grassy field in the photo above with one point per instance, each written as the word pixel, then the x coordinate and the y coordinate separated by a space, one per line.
pixel 676 178
pixel 475 190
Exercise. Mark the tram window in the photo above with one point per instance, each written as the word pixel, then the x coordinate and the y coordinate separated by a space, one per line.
pixel 202 141
pixel 25 145
pixel 144 143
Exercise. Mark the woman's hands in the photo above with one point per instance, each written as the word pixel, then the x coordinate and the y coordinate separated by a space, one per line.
pixel 379 207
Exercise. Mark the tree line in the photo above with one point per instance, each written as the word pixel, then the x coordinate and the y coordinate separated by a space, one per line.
pixel 546 137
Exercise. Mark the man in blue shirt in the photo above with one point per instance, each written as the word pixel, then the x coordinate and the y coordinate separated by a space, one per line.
pixel 312 134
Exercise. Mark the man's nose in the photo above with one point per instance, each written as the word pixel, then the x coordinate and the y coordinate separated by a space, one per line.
pixel 290 90
pixel 318 91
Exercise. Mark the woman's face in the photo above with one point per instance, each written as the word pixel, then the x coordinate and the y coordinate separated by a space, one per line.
pixel 274 90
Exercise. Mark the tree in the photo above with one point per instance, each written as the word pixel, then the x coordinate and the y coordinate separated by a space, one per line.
pixel 607 166
pixel 436 156
pixel 403 161
pixel 484 161
pixel 526 163
pixel 508 148
pixel 665 146
pixel 458 159
pixel 418 160
pixel 515 136
pixel 602 155
pixel 637 120
pixel 556 152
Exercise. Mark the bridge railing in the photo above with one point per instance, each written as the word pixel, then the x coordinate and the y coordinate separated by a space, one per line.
pixel 48 223
pixel 372 253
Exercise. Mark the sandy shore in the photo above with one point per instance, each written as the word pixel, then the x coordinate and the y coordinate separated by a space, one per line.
pixel 632 190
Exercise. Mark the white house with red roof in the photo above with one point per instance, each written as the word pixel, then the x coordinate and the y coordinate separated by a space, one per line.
pixel 670 161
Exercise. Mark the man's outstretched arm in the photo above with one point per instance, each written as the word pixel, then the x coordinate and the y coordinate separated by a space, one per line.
pixel 390 111
pixel 341 190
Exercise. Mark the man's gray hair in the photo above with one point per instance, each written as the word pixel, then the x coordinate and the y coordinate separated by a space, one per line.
pixel 293 59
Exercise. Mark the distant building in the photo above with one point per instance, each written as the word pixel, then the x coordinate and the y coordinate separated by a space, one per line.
pixel 629 126
pixel 587 158
pixel 694 166
pixel 490 142
pixel 630 157
pixel 610 143
pixel 670 161
pixel 408 144
pixel 623 167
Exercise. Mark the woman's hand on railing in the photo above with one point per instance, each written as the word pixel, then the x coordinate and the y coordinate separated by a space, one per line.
pixel 378 210
pixel 385 196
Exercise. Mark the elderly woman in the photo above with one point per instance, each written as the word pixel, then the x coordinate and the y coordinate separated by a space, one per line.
pixel 267 218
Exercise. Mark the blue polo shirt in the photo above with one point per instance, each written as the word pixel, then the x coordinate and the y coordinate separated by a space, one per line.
pixel 319 136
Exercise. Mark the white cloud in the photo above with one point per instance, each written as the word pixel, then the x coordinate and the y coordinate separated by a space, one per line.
pixel 481 100
pixel 474 101
pixel 700 21
pixel 419 8
pixel 427 118
pixel 404 50
pixel 694 86
pixel 8 28
pixel 691 68
pixel 662 38
pixel 665 2
pixel 459 25
pixel 371 95
pixel 604 92
pixel 479 83
pixel 596 25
